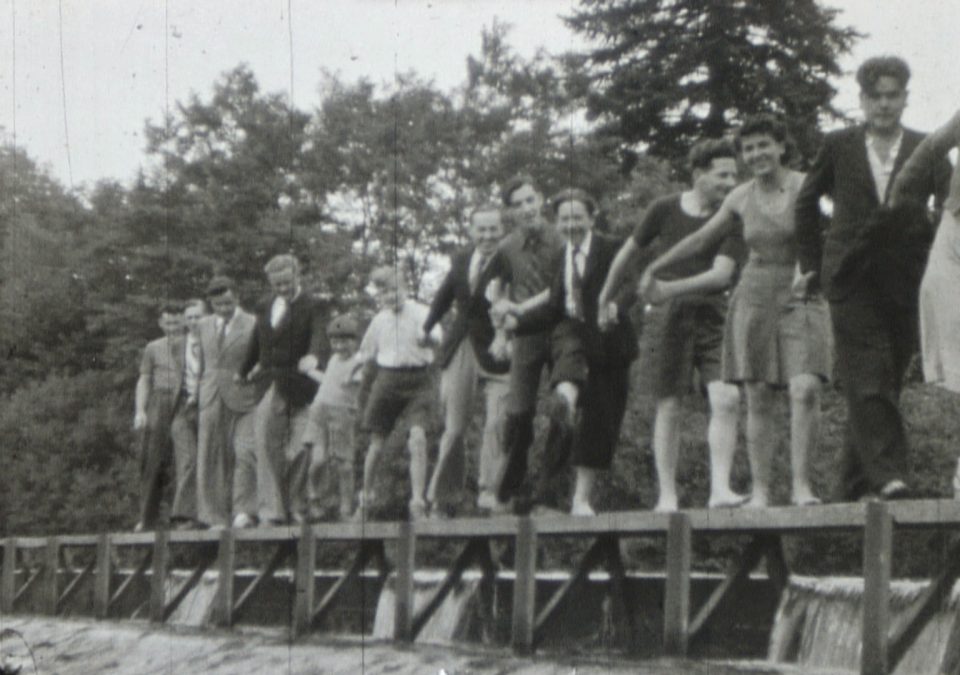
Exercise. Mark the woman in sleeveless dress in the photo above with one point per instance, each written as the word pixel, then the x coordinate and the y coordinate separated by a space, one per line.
pixel 939 309
pixel 773 339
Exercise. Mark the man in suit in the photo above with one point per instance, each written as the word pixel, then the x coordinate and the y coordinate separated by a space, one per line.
pixel 161 374
pixel 225 450
pixel 466 361
pixel 288 342
pixel 591 346
pixel 184 427
pixel 870 283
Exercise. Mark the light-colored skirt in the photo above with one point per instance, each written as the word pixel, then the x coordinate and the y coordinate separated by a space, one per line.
pixel 769 335
pixel 940 307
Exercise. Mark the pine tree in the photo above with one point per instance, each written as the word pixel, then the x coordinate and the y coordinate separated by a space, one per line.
pixel 668 72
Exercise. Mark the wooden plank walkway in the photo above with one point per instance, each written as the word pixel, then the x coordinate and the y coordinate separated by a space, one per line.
pixel 37 564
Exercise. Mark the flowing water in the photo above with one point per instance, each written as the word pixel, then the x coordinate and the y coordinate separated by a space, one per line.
pixel 818 624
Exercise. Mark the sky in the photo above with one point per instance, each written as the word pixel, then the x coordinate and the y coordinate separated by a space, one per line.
pixel 78 78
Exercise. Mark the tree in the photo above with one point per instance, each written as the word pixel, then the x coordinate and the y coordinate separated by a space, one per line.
pixel 673 71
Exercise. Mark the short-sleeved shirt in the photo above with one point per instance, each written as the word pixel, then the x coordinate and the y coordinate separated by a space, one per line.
pixel 391 338
pixel 160 365
pixel 666 221
pixel 340 384
pixel 531 259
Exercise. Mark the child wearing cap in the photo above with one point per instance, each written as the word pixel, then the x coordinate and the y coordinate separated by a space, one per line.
pixel 332 417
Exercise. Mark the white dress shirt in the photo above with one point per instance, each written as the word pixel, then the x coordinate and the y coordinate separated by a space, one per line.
pixel 580 260
pixel 880 168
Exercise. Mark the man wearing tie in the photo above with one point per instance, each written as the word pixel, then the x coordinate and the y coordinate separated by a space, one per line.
pixel 591 347
pixel 466 361
pixel 225 448
pixel 289 341
pixel 183 430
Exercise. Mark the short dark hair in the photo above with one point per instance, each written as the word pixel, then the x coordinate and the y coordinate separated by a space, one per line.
pixel 169 307
pixel 515 184
pixel 572 195
pixel 871 70
pixel 703 153
pixel 219 285
pixel 763 123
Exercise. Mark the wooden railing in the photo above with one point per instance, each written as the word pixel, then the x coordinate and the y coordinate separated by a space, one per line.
pixel 881 649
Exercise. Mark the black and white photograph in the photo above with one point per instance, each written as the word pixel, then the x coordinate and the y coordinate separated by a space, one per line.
pixel 454 337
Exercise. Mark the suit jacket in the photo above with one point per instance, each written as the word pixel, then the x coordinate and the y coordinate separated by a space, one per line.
pixel 616 347
pixel 278 350
pixel 861 247
pixel 472 318
pixel 221 363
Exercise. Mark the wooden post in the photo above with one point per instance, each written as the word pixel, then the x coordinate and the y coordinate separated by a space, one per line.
pixel 101 589
pixel 877 555
pixel 51 564
pixel 8 584
pixel 222 612
pixel 676 596
pixel 304 581
pixel 158 583
pixel 524 587
pixel 403 583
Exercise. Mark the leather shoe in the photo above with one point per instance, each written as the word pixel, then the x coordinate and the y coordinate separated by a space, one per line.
pixel 243 521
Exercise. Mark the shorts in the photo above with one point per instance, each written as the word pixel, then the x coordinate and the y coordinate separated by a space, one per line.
pixel 409 393
pixel 332 427
pixel 690 338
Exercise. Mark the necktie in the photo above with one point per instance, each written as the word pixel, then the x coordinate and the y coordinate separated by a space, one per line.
pixel 476 270
pixel 222 333
pixel 197 357
pixel 576 283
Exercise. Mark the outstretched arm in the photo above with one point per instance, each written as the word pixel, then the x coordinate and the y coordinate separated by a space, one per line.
pixel 695 243
pixel 622 263
pixel 717 278
pixel 913 182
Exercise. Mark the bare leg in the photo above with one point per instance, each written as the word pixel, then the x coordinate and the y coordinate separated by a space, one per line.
pixel 722 439
pixel 666 451
pixel 417 445
pixel 760 439
pixel 369 471
pixel 583 489
pixel 804 433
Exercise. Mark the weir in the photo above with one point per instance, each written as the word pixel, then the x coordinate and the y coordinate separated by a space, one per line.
pixel 192 577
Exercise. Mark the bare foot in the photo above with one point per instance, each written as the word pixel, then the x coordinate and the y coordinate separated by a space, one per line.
pixel 757 502
pixel 727 500
pixel 666 505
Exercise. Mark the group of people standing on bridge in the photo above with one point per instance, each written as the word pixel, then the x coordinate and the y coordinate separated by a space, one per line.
pixel 258 414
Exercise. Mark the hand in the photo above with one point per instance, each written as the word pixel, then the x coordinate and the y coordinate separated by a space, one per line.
pixel 307 363
pixel 655 293
pixel 423 338
pixel 500 310
pixel 607 316
pixel 139 420
pixel 800 287
pixel 510 322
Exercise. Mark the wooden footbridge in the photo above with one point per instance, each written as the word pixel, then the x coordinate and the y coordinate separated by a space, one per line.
pixel 37 565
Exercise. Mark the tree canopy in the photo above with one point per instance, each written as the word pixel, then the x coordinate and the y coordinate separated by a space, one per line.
pixel 672 71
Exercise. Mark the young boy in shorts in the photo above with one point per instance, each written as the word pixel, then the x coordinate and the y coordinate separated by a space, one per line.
pixel 329 439
pixel 403 388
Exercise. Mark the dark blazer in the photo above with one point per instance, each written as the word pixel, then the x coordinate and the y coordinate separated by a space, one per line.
pixel 861 247
pixel 472 318
pixel 278 350
pixel 616 347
